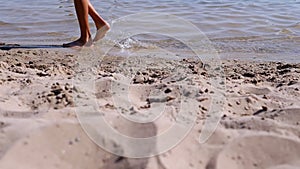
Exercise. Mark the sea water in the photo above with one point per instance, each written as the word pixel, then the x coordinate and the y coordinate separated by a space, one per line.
pixel 257 29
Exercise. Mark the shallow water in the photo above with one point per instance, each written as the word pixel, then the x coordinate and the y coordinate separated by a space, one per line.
pixel 261 29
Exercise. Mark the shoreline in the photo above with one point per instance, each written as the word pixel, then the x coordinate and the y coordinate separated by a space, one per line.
pixel 224 52
pixel 260 118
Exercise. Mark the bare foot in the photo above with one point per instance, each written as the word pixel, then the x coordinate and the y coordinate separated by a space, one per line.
pixel 78 43
pixel 101 31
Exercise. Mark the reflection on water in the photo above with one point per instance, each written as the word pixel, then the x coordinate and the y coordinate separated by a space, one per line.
pixel 235 26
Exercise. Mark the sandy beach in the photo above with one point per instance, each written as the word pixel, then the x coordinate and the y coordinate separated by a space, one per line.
pixel 39 129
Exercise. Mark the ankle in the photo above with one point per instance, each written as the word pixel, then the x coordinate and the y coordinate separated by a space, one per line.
pixel 101 24
pixel 85 39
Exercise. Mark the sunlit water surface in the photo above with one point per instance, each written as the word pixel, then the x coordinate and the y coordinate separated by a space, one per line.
pixel 256 29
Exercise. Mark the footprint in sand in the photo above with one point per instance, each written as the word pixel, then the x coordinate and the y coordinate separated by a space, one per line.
pixel 289 116
pixel 63 146
pixel 257 90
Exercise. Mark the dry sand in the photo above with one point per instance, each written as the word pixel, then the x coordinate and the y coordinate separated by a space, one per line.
pixel 39 129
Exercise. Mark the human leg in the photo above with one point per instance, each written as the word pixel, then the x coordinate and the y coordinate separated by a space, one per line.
pixel 101 25
pixel 98 20
pixel 82 12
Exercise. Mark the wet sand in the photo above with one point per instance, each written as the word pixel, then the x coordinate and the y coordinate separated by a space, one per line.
pixel 39 129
